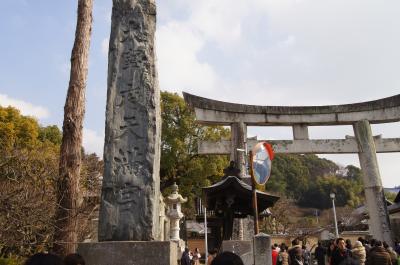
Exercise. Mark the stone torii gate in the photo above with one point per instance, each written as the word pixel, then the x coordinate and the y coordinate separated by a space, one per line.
pixel 359 115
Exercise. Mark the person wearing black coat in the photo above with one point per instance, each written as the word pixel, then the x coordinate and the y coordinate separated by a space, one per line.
pixel 320 253
pixel 185 259
pixel 295 253
pixel 341 255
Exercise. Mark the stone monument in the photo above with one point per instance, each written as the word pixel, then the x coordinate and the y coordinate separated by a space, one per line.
pixel 130 191
pixel 129 211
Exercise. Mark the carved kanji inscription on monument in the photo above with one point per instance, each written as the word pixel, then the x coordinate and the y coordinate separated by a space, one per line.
pixel 129 201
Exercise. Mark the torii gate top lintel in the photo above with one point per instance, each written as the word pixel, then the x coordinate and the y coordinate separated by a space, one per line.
pixel 209 111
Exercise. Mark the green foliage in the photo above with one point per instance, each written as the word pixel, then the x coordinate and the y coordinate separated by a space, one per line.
pixel 180 162
pixel 50 133
pixel 390 196
pixel 346 192
pixel 10 261
pixel 309 180
pixel 318 167
pixel 353 173
pixel 289 176
pixel 17 130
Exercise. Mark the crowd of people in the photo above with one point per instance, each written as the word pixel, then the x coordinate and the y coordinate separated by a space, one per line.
pixel 191 257
pixel 224 258
pixel 339 252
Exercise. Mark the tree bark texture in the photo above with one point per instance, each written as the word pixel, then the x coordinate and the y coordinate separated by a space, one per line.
pixel 67 186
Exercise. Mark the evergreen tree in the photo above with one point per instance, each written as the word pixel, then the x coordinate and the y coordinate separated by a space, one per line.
pixel 180 162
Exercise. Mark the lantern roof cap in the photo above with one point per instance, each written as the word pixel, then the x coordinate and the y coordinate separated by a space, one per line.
pixel 175 197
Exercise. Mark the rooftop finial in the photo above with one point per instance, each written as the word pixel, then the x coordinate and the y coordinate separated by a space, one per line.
pixel 175 188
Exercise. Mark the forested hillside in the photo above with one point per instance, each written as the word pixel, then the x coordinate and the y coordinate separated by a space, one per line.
pixel 309 180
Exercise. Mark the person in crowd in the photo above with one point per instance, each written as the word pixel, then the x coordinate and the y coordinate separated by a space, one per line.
pixel 330 250
pixel 74 259
pixel 211 255
pixel 378 255
pixel 277 247
pixel 196 257
pixel 359 253
pixel 372 244
pixel 283 257
pixel 320 253
pixel 340 254
pixel 275 254
pixel 392 253
pixel 227 258
pixel 367 245
pixel 348 244
pixel 185 258
pixel 44 259
pixel 295 253
pixel 397 247
pixel 306 255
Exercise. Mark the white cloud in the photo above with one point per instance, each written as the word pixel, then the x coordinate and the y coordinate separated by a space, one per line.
pixel 93 142
pixel 104 46
pixel 389 167
pixel 177 57
pixel 289 41
pixel 26 108
pixel 219 21
pixel 299 47
pixel 286 52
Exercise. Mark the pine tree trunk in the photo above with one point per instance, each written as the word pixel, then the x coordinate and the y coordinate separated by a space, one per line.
pixel 67 187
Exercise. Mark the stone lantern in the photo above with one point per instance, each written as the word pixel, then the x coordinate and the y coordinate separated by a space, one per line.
pixel 174 213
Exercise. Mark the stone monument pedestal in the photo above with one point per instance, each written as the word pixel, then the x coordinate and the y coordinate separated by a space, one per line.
pixel 256 252
pixel 262 249
pixel 129 253
pixel 242 248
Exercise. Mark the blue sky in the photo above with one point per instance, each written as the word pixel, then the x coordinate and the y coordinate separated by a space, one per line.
pixel 266 52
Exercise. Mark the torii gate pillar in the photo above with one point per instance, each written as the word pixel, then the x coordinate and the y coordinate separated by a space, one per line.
pixel 379 223
pixel 238 141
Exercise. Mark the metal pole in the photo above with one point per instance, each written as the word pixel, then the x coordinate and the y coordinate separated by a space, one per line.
pixel 205 233
pixel 334 215
pixel 256 231
pixel 254 191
